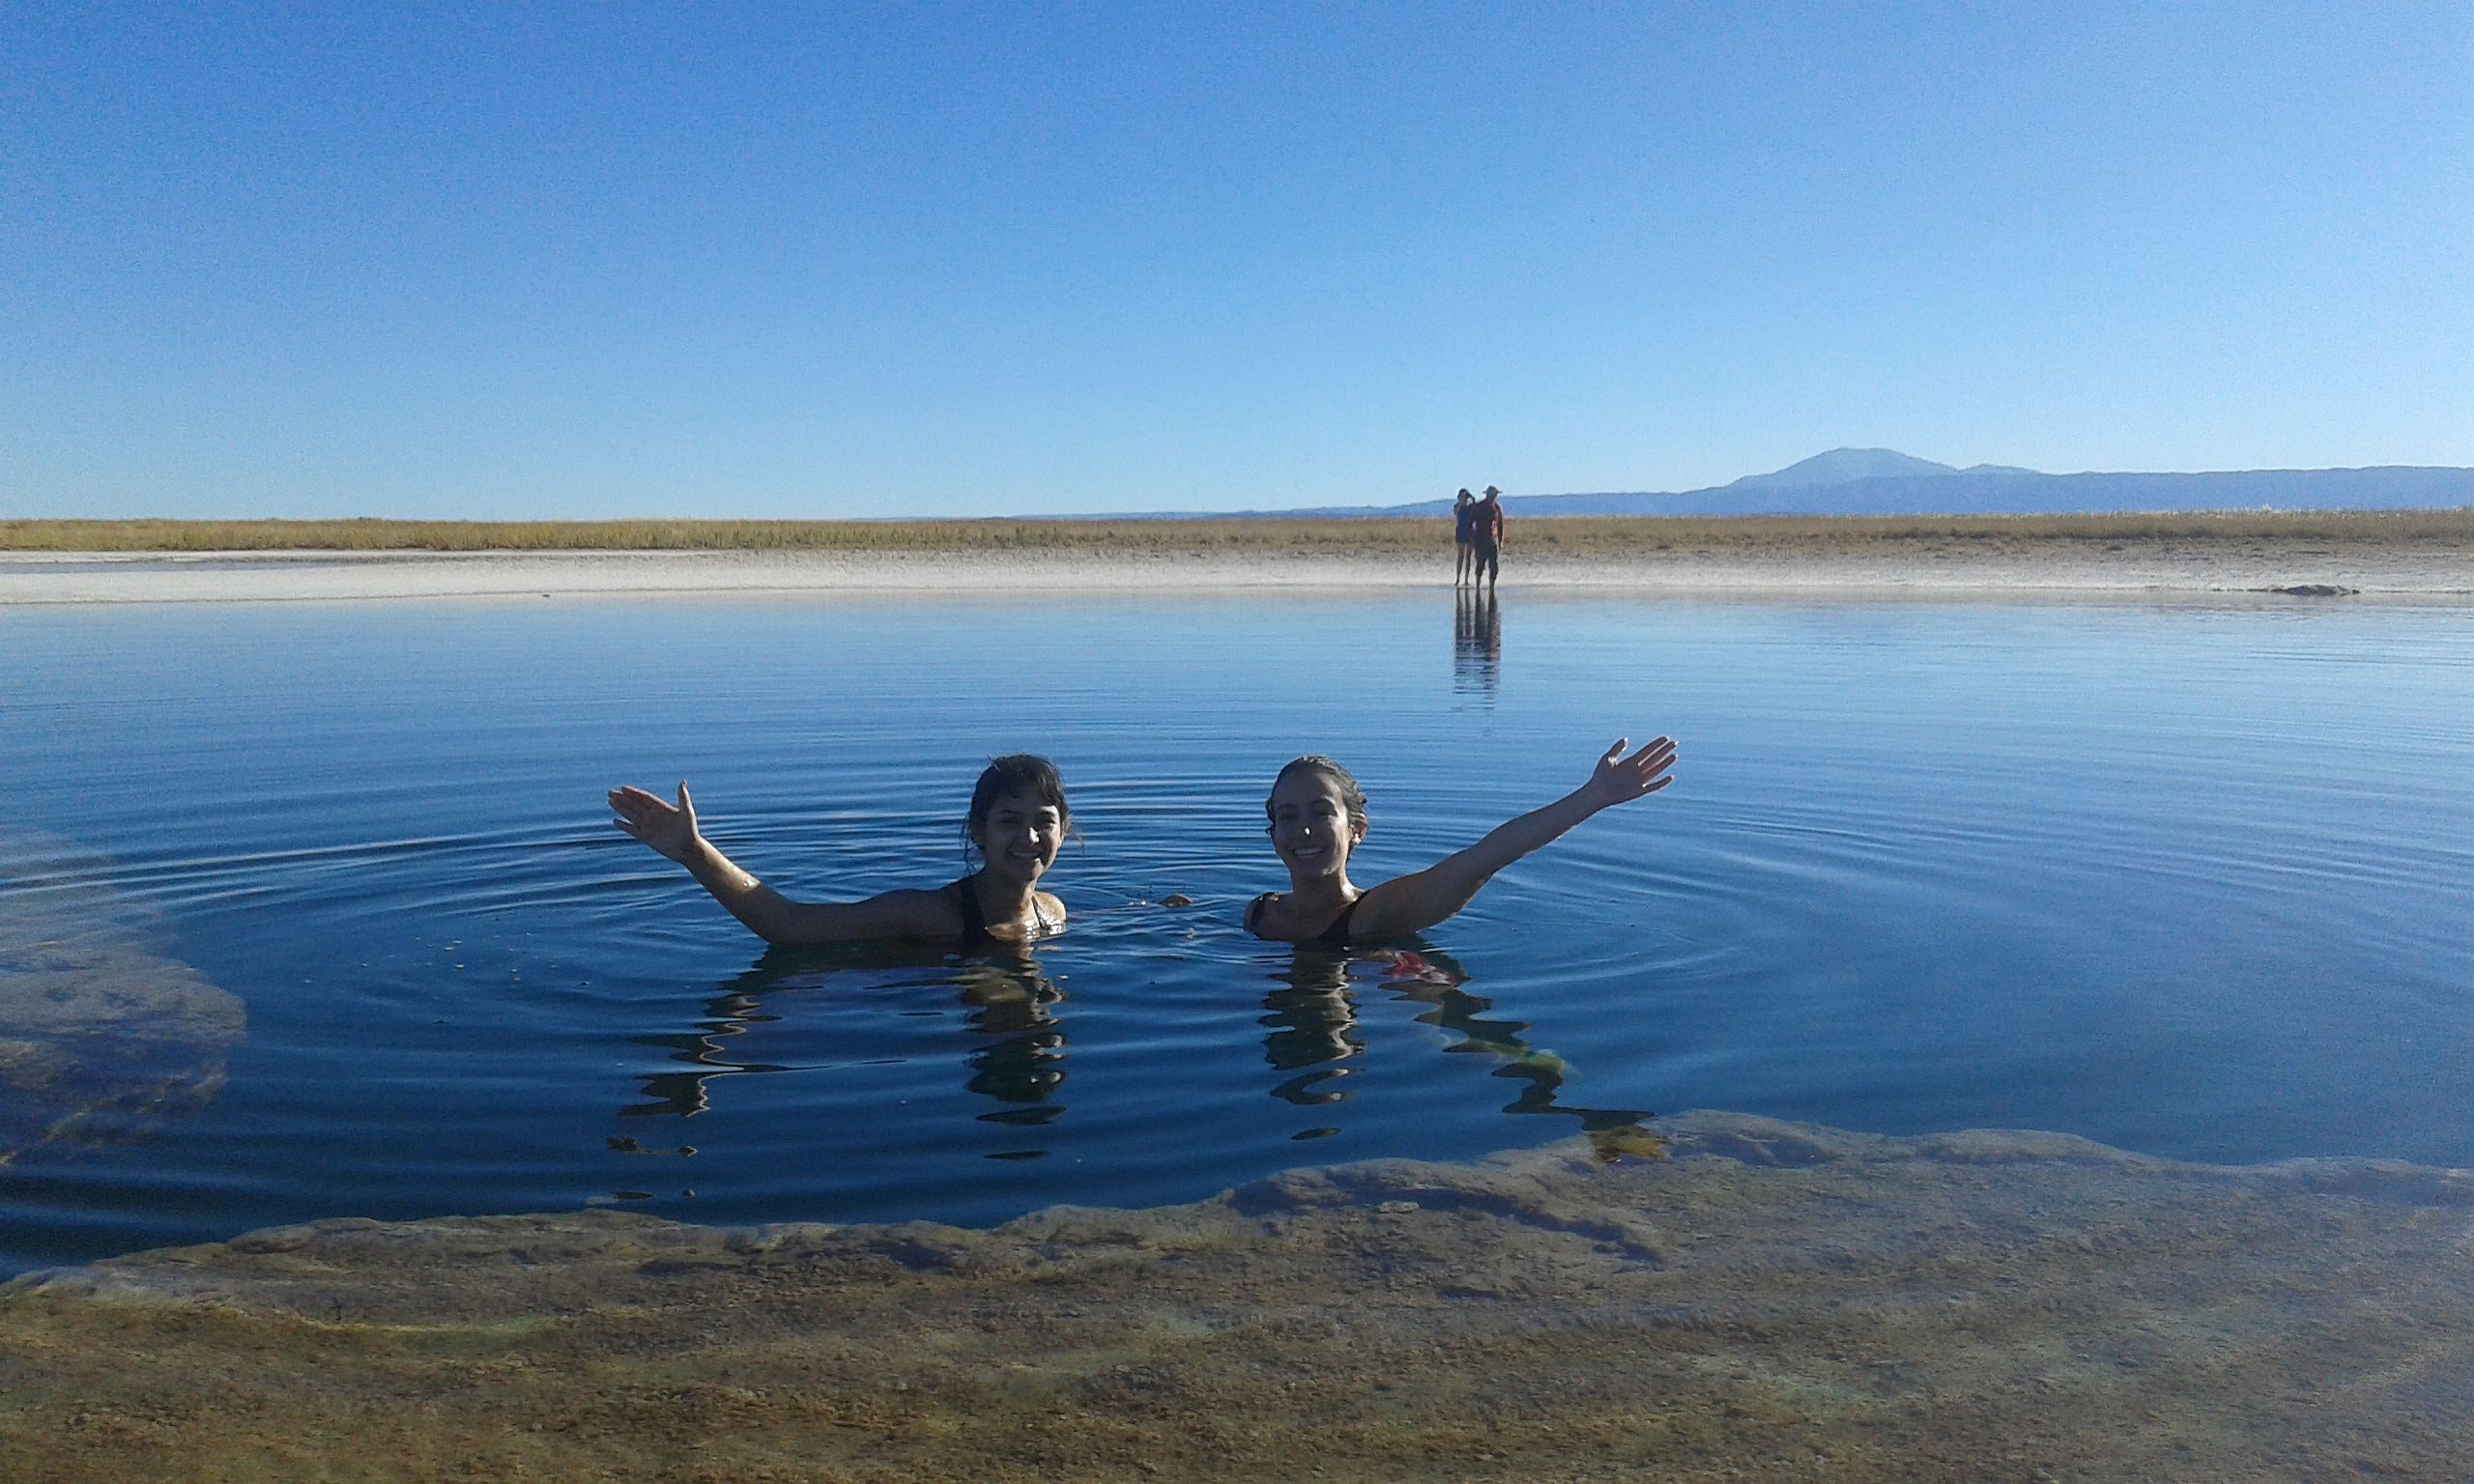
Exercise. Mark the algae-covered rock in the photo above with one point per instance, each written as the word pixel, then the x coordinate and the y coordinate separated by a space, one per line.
pixel 99 1033
pixel 1753 1301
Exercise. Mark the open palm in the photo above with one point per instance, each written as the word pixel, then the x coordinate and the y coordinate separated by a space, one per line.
pixel 669 829
pixel 1619 780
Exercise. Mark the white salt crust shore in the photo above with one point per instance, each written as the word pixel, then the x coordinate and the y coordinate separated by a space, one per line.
pixel 2158 566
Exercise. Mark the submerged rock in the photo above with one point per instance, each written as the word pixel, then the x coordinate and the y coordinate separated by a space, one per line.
pixel 1757 1299
pixel 98 1034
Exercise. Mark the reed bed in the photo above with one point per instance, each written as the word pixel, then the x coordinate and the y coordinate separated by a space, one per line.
pixel 1271 537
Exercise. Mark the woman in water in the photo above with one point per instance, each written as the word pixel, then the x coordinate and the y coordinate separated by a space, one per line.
pixel 1017 819
pixel 1318 817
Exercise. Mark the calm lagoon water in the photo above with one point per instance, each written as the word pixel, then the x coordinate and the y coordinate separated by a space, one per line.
pixel 2196 879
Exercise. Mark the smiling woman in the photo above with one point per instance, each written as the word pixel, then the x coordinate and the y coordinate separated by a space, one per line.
pixel 1017 820
pixel 1318 817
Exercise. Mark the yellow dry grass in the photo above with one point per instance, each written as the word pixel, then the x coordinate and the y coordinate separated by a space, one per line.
pixel 1574 535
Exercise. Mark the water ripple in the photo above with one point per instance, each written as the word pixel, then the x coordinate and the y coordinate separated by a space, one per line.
pixel 2190 881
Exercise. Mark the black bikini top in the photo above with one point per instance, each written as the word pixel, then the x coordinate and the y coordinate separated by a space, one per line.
pixel 1335 935
pixel 975 921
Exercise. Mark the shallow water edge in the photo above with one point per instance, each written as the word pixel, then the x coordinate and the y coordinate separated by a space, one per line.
pixel 1738 1297
pixel 2312 568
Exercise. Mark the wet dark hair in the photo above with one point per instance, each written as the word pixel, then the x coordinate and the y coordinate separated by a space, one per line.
pixel 1014 773
pixel 1352 798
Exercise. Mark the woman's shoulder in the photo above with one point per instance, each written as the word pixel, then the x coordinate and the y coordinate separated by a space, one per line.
pixel 927 910
pixel 1254 910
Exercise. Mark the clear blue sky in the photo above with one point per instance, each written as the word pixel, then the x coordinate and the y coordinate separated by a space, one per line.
pixel 512 261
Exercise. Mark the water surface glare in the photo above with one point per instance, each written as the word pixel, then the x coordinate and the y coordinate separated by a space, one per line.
pixel 2192 878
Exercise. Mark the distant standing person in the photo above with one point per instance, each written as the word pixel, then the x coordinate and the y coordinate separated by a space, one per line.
pixel 1486 536
pixel 1464 567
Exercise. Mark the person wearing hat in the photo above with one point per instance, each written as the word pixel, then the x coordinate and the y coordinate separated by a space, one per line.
pixel 1486 536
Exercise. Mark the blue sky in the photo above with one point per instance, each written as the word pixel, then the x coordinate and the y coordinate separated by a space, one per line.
pixel 512 261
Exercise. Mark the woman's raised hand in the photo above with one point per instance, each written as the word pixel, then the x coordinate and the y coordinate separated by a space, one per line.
pixel 670 830
pixel 1620 780
pixel 1417 901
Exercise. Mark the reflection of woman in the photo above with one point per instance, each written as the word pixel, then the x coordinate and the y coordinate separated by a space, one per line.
pixel 1310 1029
pixel 1017 1041
pixel 1017 821
pixel 1017 1062
pixel 1309 1026
pixel 1318 817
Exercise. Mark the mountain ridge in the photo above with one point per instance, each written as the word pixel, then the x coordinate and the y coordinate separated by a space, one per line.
pixel 1884 481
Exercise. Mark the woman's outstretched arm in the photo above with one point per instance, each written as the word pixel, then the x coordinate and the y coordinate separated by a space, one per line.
pixel 671 830
pixel 1415 902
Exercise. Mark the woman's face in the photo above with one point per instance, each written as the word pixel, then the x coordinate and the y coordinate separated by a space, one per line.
pixel 1311 826
pixel 1020 836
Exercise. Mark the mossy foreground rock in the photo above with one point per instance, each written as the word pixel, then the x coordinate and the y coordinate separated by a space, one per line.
pixel 1758 1301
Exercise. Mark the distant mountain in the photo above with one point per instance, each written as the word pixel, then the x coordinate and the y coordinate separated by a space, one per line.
pixel 1881 481
pixel 1997 491
pixel 1844 466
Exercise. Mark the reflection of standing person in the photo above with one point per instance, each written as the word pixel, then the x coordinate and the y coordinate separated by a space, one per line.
pixel 1476 642
pixel 1486 536
pixel 1463 564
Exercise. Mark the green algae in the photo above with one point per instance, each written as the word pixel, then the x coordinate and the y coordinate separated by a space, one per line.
pixel 100 1035
pixel 1766 1300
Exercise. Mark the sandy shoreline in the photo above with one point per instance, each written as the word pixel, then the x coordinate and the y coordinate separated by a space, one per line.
pixel 2256 564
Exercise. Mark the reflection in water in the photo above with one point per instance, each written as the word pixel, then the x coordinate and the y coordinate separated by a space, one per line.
pixel 1312 1033
pixel 1006 999
pixel 1018 1065
pixel 1311 1030
pixel 1920 798
pixel 1311 1026
pixel 1476 644
pixel 729 1013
